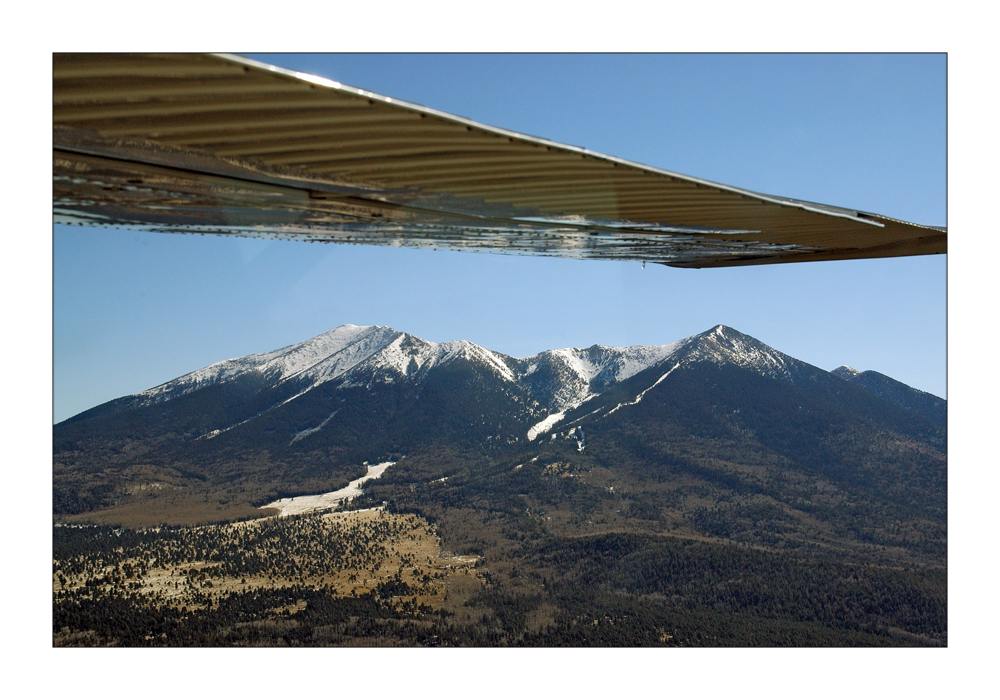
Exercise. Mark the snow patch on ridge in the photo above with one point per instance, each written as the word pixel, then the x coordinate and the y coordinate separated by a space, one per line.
pixel 580 364
pixel 463 348
pixel 641 357
pixel 405 355
pixel 319 359
pixel 614 364
pixel 408 356
pixel 332 353
pixel 845 371
pixel 575 375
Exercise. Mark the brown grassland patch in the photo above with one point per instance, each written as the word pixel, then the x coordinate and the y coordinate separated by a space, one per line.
pixel 345 554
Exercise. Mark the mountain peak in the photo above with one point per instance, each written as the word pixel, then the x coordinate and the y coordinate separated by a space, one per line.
pixel 725 345
pixel 845 372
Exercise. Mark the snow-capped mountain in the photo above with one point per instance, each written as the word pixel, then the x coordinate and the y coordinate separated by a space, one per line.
pixel 361 355
pixel 556 381
pixel 358 393
pixel 507 398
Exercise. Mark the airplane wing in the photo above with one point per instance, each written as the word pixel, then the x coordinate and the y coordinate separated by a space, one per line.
pixel 225 145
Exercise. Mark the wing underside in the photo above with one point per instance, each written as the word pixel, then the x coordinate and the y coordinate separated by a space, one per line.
pixel 225 145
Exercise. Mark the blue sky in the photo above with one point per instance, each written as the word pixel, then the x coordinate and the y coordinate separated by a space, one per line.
pixel 132 310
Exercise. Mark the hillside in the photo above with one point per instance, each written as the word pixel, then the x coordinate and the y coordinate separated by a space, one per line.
pixel 920 402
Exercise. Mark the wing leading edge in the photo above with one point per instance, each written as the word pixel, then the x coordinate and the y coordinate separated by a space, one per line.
pixel 226 145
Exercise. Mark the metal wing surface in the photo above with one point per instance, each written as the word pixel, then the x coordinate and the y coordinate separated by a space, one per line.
pixel 222 144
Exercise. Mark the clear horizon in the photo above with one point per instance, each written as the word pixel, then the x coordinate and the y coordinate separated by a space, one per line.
pixel 133 310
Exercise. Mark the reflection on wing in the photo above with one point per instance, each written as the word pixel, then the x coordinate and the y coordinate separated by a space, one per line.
pixel 222 144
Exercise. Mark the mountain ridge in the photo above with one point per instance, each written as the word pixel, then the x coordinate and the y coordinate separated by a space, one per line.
pixel 923 403
pixel 558 381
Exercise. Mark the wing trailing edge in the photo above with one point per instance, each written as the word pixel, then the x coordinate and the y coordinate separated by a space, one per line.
pixel 225 145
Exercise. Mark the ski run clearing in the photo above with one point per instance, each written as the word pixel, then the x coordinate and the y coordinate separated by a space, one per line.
pixel 299 505
pixel 643 392
pixel 545 425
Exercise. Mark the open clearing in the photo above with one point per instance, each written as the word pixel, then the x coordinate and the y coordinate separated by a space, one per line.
pixel 346 554
pixel 300 505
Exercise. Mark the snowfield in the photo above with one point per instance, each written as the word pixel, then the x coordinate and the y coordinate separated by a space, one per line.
pixel 612 364
pixel 317 360
pixel 544 426
pixel 324 501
